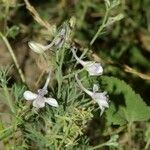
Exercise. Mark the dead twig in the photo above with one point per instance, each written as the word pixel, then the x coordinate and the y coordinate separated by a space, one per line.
pixel 133 71
pixel 38 19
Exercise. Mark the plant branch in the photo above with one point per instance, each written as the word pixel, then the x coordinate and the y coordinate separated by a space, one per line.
pixel 101 27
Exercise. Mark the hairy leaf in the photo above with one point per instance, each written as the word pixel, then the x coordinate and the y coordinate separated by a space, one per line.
pixel 127 106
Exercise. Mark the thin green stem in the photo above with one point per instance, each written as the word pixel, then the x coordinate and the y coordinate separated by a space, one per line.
pixel 60 59
pixel 73 74
pixel 85 7
pixel 6 15
pixel 98 146
pixel 101 27
pixel 147 145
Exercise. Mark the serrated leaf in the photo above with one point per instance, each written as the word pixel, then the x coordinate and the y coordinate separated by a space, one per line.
pixel 130 106
pixel 115 117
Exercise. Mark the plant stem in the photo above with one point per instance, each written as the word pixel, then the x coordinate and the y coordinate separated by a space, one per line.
pixel 60 59
pixel 101 27
pixel 13 57
pixel 73 74
pixel 85 7
pixel 47 80
pixel 147 145
pixel 98 146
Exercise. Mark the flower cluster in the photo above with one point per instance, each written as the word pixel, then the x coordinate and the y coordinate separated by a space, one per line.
pixel 93 68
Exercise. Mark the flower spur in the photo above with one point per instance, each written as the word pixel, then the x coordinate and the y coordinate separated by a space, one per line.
pixel 92 67
pixel 57 42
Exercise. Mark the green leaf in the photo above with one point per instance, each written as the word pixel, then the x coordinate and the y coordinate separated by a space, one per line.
pixel 115 117
pixel 127 105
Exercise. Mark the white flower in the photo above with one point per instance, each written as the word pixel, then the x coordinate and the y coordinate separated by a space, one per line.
pixel 57 42
pixel 100 97
pixel 38 99
pixel 92 67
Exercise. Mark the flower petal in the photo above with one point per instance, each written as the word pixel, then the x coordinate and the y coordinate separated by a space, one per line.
pixel 39 103
pixel 103 103
pixel 51 101
pixel 93 68
pixel 28 95
pixel 37 47
pixel 101 99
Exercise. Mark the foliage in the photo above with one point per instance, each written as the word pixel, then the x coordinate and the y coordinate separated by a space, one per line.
pixel 130 107
pixel 115 33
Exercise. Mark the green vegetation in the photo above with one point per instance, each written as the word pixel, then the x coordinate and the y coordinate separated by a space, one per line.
pixel 74 59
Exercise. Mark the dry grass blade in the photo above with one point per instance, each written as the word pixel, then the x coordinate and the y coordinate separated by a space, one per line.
pixel 133 71
pixel 37 17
